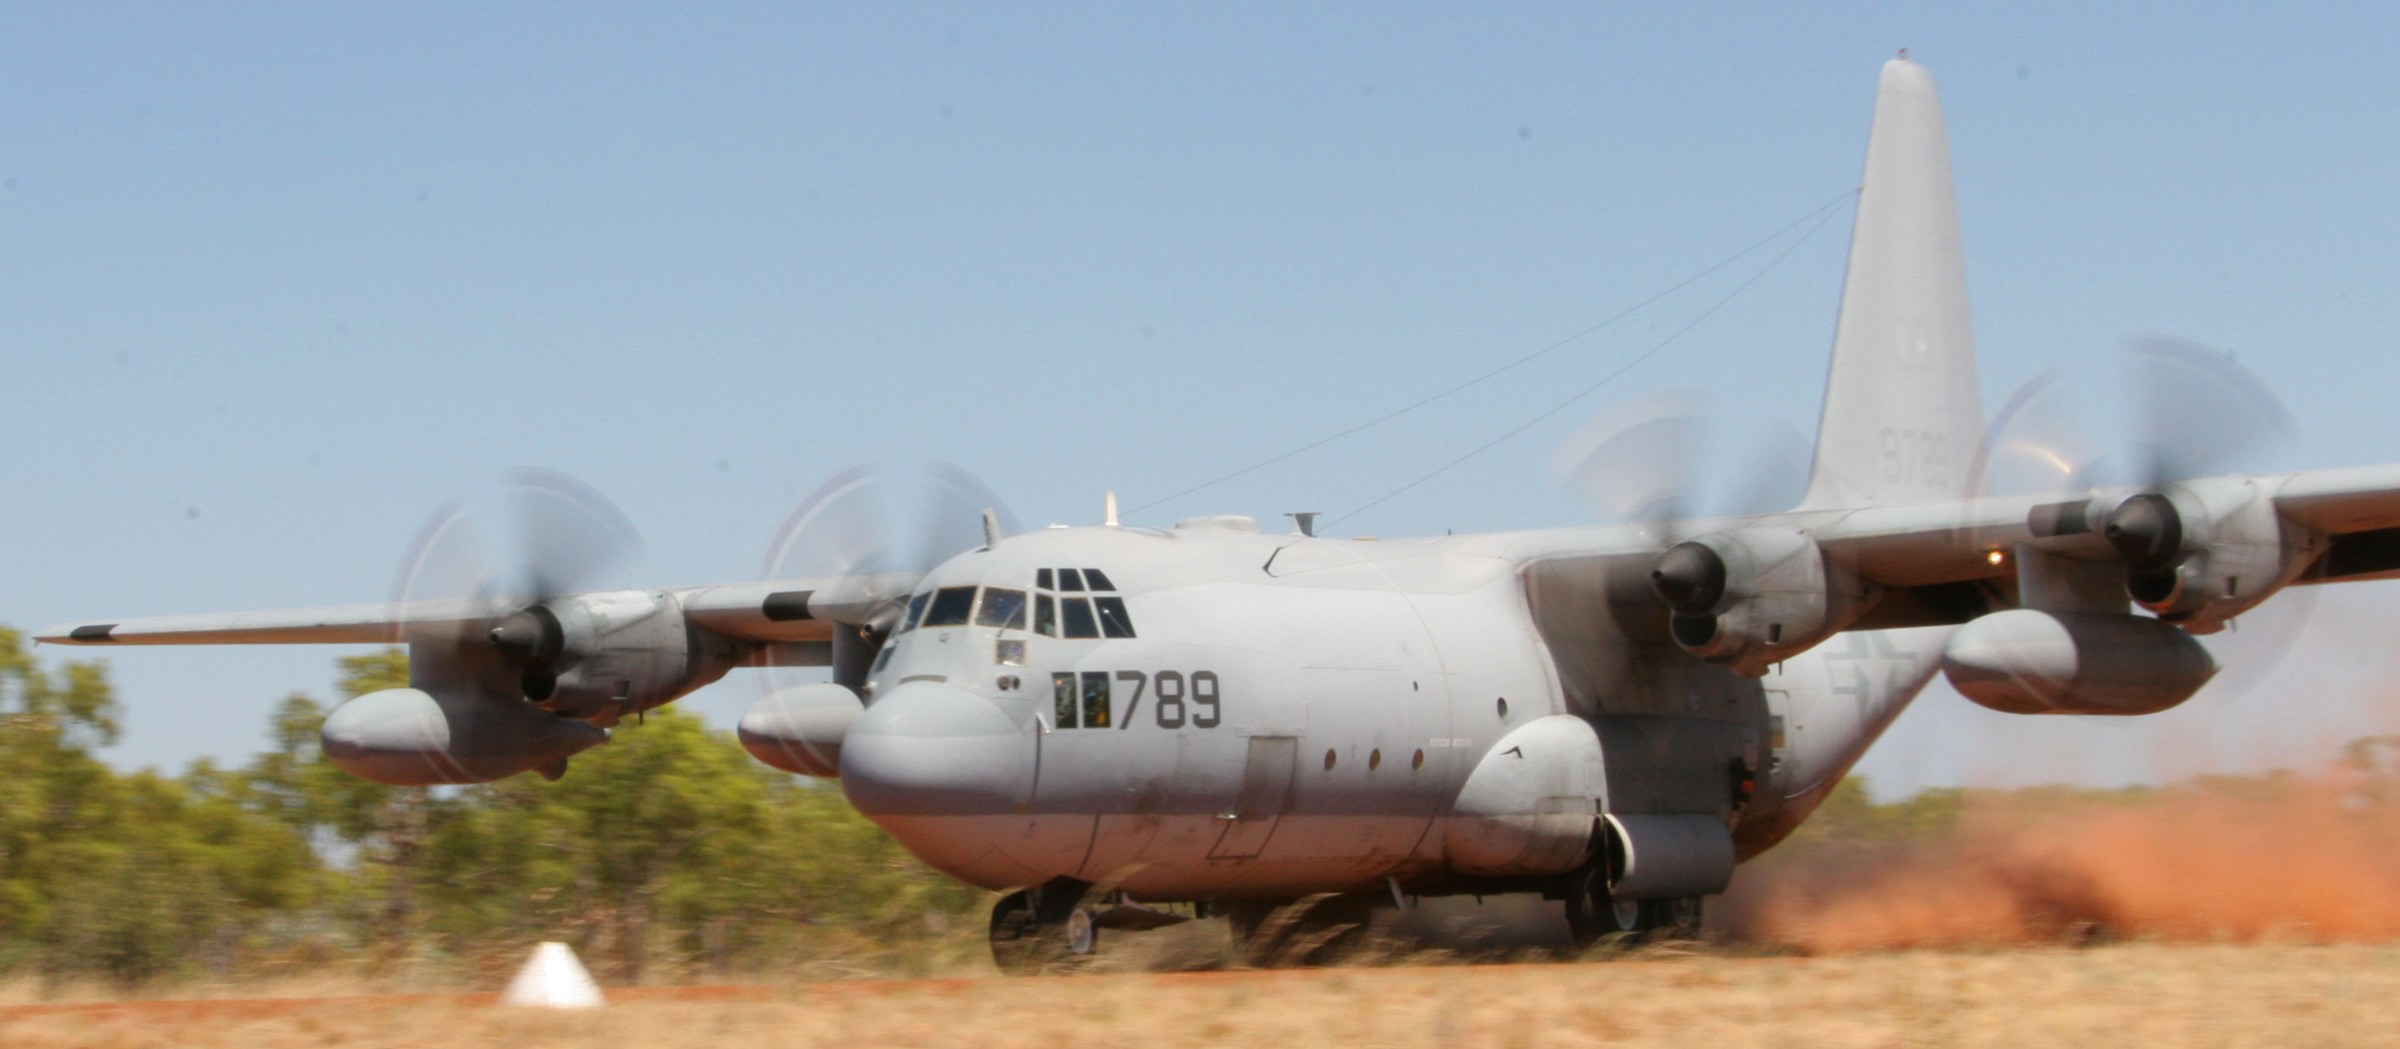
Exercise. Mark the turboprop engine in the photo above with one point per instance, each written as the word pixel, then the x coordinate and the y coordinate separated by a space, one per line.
pixel 2026 662
pixel 2202 552
pixel 1750 598
pixel 490 698
pixel 601 656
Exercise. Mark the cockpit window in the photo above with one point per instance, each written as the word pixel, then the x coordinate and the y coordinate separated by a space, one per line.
pixel 1062 701
pixel 1100 615
pixel 916 608
pixel 1095 699
pixel 1001 608
pixel 1079 617
pixel 950 606
pixel 1113 620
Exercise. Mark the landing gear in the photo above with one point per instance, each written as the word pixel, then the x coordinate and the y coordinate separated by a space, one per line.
pixel 1593 915
pixel 1055 927
pixel 1044 929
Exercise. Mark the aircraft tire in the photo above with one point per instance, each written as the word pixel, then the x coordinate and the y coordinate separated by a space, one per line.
pixel 1034 932
pixel 1594 916
pixel 1675 919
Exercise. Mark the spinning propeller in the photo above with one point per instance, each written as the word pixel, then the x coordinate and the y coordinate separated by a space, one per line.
pixel 880 530
pixel 1733 593
pixel 1741 595
pixel 2170 411
pixel 864 560
pixel 554 536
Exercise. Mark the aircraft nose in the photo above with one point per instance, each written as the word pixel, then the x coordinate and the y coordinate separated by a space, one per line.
pixel 929 749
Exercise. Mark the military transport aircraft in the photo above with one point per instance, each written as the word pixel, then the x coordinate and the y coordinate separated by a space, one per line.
pixel 1121 726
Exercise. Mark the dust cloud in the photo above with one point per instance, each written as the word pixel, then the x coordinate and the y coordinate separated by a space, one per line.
pixel 2304 858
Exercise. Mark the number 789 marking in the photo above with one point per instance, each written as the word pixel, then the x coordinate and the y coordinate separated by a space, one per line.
pixel 1182 699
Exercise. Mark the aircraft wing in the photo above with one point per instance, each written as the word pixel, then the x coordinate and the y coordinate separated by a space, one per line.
pixel 2346 520
pixel 794 610
pixel 2360 507
pixel 333 624
pixel 1939 563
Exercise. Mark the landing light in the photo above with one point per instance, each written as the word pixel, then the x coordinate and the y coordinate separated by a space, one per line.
pixel 1994 558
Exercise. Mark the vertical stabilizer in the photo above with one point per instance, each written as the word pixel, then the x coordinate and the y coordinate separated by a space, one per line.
pixel 1903 418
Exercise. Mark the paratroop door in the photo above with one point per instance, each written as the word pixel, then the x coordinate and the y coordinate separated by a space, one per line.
pixel 1266 792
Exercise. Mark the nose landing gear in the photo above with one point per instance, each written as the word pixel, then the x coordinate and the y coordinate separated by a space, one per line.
pixel 1055 927
pixel 1043 929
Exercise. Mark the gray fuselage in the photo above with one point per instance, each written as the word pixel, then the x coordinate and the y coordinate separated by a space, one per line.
pixel 1293 715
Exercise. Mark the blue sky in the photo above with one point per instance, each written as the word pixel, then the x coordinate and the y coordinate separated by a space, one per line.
pixel 278 280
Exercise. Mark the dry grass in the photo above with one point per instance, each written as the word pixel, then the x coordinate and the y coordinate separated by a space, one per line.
pixel 2130 994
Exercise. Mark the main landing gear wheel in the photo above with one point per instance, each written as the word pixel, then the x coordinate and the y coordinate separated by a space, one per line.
pixel 1679 918
pixel 1044 929
pixel 1593 915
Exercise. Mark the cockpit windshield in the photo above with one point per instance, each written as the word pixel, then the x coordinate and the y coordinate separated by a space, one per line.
pixel 950 606
pixel 1002 608
pixel 1088 614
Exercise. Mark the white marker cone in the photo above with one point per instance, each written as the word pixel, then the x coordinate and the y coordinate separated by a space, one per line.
pixel 553 979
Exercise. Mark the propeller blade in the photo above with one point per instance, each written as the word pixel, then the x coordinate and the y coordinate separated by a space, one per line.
pixel 2201 412
pixel 566 532
pixel 1637 462
pixel 2168 410
pixel 561 535
pixel 847 527
pixel 950 516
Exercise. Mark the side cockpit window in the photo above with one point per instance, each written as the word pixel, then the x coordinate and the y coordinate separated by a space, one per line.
pixel 1087 707
pixel 1083 607
pixel 950 606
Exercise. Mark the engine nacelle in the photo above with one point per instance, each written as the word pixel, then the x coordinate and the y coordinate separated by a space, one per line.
pixel 411 738
pixel 2202 552
pixel 1752 598
pixel 601 656
pixel 2027 662
pixel 801 729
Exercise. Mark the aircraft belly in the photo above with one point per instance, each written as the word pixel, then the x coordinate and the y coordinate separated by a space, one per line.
pixel 994 851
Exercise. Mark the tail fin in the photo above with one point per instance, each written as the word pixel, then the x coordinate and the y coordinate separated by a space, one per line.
pixel 1903 418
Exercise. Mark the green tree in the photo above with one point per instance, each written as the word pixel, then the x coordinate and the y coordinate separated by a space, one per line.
pixel 129 875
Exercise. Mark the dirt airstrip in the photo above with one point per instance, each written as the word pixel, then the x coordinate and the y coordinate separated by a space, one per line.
pixel 2126 994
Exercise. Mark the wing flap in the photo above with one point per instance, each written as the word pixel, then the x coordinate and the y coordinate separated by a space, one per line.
pixel 2339 502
